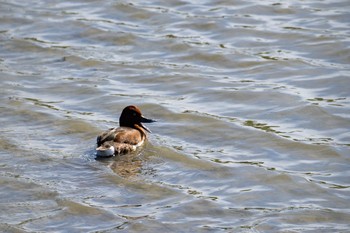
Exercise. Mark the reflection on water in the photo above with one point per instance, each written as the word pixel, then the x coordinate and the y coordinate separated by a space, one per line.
pixel 251 100
pixel 127 166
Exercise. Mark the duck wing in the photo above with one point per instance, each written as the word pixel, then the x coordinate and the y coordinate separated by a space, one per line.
pixel 108 135
pixel 120 135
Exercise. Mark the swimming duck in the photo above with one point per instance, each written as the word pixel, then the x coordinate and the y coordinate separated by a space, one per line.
pixel 126 138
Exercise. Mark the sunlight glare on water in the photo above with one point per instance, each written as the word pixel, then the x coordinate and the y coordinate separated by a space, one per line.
pixel 251 100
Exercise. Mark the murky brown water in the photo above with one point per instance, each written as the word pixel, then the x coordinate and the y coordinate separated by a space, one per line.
pixel 251 98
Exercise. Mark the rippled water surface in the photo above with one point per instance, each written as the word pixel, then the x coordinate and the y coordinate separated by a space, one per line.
pixel 251 100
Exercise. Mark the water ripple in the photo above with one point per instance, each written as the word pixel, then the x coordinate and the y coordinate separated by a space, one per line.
pixel 251 100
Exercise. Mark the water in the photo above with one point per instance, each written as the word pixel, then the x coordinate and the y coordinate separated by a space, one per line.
pixel 251 99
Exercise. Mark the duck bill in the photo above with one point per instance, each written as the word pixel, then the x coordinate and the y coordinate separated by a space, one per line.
pixel 145 120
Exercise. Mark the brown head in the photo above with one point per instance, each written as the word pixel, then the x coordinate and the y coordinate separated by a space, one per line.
pixel 132 117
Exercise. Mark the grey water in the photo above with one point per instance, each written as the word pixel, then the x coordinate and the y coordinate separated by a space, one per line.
pixel 251 100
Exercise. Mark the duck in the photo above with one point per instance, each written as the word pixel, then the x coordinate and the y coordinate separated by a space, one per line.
pixel 130 135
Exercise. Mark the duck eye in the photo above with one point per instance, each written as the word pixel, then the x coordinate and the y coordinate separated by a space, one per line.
pixel 134 114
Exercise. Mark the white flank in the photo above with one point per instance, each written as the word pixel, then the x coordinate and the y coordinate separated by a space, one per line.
pixel 105 152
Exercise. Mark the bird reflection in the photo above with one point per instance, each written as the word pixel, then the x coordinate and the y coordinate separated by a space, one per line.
pixel 127 166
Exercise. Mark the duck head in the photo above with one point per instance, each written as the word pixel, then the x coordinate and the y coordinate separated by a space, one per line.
pixel 132 117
